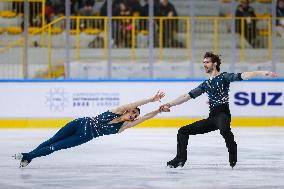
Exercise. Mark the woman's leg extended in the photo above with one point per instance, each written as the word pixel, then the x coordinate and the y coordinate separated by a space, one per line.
pixel 66 131
pixel 71 141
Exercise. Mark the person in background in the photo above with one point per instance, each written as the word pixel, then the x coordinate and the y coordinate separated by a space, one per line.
pixel 88 10
pixel 170 26
pixel 280 17
pixel 134 6
pixel 244 10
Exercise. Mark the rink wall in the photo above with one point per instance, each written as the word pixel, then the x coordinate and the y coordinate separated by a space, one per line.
pixel 51 104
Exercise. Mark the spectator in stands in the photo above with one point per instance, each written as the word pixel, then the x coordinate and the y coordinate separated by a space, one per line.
pixel 280 17
pixel 115 8
pixel 59 6
pixel 87 9
pixel 76 5
pixel 124 26
pixel 165 8
pixel 124 9
pixel 115 12
pixel 134 6
pixel 34 13
pixel 55 9
pixel 144 10
pixel 49 11
pixel 247 12
pixel 170 26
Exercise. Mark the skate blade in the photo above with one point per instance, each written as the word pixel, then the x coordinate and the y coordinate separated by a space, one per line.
pixel 170 166
pixel 174 167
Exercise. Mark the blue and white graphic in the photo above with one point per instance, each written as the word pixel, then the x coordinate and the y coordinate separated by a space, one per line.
pixel 56 99
pixel 95 99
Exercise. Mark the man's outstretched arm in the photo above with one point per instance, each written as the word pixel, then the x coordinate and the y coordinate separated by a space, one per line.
pixel 181 99
pixel 249 75
pixel 186 97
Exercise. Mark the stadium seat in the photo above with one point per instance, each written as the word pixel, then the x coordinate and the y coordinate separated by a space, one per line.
pixel 1 30
pixel 93 31
pixel 263 14
pixel 33 29
pixel 14 30
pixel 8 14
pixel 56 31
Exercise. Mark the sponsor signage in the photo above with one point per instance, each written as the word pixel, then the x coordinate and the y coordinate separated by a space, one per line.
pixel 78 99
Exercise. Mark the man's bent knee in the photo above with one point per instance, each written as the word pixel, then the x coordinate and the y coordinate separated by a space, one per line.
pixel 182 130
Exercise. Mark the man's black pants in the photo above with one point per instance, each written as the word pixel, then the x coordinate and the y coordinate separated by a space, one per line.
pixel 219 119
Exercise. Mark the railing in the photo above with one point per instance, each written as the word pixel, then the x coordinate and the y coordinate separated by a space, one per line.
pixel 171 39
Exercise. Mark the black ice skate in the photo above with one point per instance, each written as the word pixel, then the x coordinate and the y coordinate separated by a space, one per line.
pixel 181 157
pixel 233 159
pixel 176 162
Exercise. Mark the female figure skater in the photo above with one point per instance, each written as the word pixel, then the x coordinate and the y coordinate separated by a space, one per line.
pixel 84 129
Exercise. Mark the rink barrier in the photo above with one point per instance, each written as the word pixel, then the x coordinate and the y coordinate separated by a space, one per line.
pixel 153 123
pixel 258 103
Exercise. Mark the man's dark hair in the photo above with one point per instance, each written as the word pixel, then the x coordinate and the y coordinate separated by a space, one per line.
pixel 214 58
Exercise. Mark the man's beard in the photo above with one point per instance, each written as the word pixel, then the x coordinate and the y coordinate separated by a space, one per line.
pixel 208 70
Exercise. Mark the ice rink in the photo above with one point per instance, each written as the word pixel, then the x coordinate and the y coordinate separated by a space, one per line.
pixel 136 159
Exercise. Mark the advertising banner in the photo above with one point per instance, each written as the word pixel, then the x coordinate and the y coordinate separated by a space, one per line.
pixel 78 99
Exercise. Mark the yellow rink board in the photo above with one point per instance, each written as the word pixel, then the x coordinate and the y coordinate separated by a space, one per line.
pixel 153 123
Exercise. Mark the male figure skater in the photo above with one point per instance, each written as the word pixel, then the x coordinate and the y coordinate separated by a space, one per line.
pixel 217 87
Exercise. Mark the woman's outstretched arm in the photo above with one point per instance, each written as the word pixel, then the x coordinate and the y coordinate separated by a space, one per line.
pixel 142 119
pixel 121 109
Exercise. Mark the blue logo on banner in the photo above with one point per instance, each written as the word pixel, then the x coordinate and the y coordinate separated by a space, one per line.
pixel 262 99
pixel 56 99
pixel 90 99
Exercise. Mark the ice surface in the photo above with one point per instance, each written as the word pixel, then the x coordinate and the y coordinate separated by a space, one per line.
pixel 137 159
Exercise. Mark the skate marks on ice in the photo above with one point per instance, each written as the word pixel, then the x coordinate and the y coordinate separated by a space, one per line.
pixel 137 159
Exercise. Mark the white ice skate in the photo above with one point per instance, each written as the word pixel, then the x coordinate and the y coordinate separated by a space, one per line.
pixel 18 156
pixel 24 163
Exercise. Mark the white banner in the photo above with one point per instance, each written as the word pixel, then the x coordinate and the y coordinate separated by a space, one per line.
pixel 78 99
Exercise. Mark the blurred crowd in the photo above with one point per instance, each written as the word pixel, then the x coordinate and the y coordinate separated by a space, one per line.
pixel 122 28
pixel 162 8
pixel 119 8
